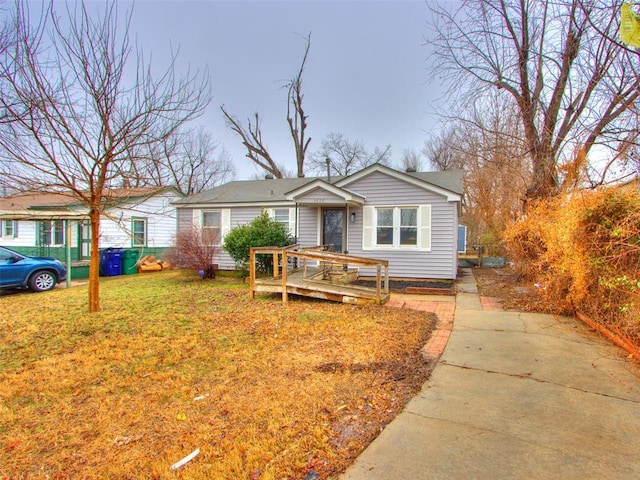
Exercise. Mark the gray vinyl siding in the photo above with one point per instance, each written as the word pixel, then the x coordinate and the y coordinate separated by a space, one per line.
pixel 308 226
pixel 239 216
pixel 441 261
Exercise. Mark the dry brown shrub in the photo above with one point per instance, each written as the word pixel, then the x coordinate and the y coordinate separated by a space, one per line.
pixel 583 250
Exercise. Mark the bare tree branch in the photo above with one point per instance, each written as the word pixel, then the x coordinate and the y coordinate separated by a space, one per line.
pixel 75 116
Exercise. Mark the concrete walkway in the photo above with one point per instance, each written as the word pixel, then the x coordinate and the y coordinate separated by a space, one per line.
pixel 515 395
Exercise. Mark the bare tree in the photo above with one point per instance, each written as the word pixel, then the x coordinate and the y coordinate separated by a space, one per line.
pixel 296 118
pixel 82 98
pixel 487 146
pixel 344 156
pixel 411 160
pixel 251 135
pixel 573 87
pixel 187 160
pixel 257 150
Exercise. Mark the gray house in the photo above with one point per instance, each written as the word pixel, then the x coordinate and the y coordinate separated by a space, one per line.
pixel 407 218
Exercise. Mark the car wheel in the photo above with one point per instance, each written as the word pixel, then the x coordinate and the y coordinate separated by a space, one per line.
pixel 42 281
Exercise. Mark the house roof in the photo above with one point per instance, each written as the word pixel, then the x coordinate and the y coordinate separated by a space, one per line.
pixel 65 205
pixel 278 190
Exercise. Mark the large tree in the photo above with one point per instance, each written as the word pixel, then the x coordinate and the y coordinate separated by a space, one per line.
pixel 574 88
pixel 251 134
pixel 78 97
pixel 487 145
pixel 344 156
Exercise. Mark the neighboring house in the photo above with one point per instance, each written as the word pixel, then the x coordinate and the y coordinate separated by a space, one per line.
pixel 136 218
pixel 408 218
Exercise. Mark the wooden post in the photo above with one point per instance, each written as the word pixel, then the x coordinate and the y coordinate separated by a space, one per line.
pixel 285 297
pixel 252 273
pixel 276 270
pixel 378 281
pixel 386 278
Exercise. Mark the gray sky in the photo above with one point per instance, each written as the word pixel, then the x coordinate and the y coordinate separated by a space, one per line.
pixel 366 74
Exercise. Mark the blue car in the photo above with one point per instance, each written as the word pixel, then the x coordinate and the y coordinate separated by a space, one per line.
pixel 39 274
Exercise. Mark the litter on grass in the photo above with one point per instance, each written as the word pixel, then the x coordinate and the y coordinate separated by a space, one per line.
pixel 185 460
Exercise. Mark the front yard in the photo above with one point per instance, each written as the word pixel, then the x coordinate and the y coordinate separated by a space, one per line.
pixel 173 364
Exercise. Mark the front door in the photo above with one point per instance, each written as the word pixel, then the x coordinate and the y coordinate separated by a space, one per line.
pixel 333 228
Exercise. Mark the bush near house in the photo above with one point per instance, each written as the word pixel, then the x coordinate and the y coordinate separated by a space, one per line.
pixel 193 250
pixel 583 250
pixel 262 231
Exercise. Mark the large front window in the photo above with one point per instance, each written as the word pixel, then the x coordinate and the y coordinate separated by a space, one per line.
pixel 212 227
pixel 397 226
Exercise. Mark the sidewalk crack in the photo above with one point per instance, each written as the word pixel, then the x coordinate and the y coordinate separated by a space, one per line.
pixel 530 376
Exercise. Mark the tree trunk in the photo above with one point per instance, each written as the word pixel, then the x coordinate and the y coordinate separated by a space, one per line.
pixel 94 265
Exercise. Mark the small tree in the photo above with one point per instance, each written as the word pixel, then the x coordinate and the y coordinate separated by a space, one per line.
pixel 194 250
pixel 262 231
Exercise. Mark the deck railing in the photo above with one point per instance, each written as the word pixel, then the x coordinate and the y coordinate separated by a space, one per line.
pixel 282 266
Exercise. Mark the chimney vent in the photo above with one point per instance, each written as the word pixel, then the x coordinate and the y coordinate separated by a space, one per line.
pixel 411 170
pixel 269 177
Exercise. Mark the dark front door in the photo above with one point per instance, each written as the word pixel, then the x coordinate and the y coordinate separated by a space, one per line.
pixel 333 228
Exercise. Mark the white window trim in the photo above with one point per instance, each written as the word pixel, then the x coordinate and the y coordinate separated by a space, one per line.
pixel 146 231
pixel 369 229
pixel 14 228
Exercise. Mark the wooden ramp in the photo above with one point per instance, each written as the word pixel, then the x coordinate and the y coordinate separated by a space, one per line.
pixel 313 272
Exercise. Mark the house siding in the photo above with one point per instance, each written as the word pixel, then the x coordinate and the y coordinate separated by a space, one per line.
pixel 440 261
pixel 161 224
pixel 437 259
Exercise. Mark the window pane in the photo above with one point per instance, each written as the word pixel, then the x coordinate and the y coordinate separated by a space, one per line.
pixel 8 228
pixel 281 215
pixel 409 217
pixel 59 232
pixel 385 217
pixel 46 233
pixel 408 236
pixel 384 235
pixel 211 219
pixel 211 228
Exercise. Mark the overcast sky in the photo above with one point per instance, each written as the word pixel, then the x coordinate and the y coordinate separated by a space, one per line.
pixel 366 74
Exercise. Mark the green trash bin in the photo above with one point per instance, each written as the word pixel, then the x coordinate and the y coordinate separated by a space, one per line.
pixel 129 260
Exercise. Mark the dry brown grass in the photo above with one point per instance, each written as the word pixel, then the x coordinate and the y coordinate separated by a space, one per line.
pixel 263 390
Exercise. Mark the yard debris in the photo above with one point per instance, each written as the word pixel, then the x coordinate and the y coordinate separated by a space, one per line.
pixel 181 416
pixel 149 263
pixel 185 460
pixel 121 441
pixel 201 397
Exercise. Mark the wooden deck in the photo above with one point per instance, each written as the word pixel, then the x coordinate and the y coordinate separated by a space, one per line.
pixel 309 270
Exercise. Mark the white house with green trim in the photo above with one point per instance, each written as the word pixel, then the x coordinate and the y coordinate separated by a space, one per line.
pixel 47 224
pixel 408 218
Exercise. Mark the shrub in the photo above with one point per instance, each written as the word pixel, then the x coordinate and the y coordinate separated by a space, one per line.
pixel 262 231
pixel 584 250
pixel 194 250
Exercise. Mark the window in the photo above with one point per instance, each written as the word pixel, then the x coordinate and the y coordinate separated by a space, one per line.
pixel 139 232
pixel 9 229
pixel 52 232
pixel 212 227
pixel 281 215
pixel 397 227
